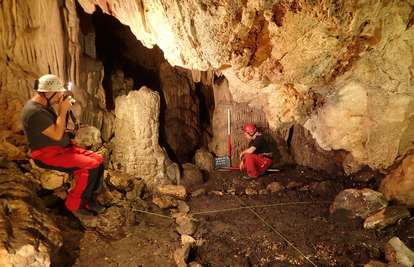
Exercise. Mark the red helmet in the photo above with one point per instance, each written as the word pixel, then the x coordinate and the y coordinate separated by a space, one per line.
pixel 249 128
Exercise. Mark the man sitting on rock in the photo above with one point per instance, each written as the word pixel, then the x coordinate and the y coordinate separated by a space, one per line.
pixel 257 158
pixel 51 147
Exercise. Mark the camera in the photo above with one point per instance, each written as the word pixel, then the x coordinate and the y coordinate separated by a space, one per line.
pixel 68 87
pixel 73 101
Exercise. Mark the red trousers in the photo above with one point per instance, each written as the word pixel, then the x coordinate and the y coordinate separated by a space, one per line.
pixel 255 163
pixel 86 165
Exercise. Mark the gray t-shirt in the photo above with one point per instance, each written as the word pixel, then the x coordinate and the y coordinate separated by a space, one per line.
pixel 35 119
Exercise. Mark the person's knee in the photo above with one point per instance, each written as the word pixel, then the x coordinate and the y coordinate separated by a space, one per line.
pixel 248 156
pixel 99 158
pixel 94 164
pixel 98 165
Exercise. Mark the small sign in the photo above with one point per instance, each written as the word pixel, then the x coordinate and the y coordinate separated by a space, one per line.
pixel 222 162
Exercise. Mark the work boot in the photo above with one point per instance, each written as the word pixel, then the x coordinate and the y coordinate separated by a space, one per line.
pixel 95 206
pixel 83 213
pixel 248 177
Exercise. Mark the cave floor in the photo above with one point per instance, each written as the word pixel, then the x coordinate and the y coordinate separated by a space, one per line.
pixel 289 228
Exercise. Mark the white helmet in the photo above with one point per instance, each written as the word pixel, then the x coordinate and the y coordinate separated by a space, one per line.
pixel 50 83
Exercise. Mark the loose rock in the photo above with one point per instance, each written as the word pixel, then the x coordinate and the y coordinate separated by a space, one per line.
pixel 396 251
pixel 165 202
pixel 175 191
pixel 359 203
pixel 387 216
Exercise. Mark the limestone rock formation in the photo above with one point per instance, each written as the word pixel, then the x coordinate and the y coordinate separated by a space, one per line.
pixel 204 160
pixel 88 137
pixel 397 251
pixel 398 186
pixel 182 125
pixel 279 55
pixel 137 151
pixel 341 70
pixel 191 176
pixel 359 203
pixel 49 179
pixel 28 236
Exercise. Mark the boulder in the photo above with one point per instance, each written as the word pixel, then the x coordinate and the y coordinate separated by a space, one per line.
pixel 399 185
pixel 181 254
pixel 11 152
pixel 191 176
pixel 49 179
pixel 118 180
pixel 88 137
pixel 275 187
pixel 397 251
pixel 387 216
pixel 204 160
pixel 186 225
pixel 175 191
pixel 165 202
pixel 359 203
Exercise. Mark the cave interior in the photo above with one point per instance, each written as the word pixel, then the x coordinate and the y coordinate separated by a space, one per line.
pixel 114 41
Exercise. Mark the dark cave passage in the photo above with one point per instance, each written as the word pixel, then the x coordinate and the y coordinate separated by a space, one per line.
pixel 120 51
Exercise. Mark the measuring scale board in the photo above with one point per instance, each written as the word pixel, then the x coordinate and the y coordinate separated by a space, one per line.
pixel 222 162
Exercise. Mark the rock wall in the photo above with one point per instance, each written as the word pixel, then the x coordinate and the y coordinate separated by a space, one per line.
pixel 28 236
pixel 29 34
pixel 241 114
pixel 342 70
pixel 181 117
pixel 40 37
pixel 277 55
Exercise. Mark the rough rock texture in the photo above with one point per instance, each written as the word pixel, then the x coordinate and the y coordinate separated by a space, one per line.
pixel 175 191
pixel 28 236
pixel 118 180
pixel 397 251
pixel 181 122
pixel 191 175
pixel 387 216
pixel 11 152
pixel 49 179
pixel 399 185
pixel 281 56
pixel 308 153
pixel 137 151
pixel 88 137
pixel 359 203
pixel 204 160
pixel 342 70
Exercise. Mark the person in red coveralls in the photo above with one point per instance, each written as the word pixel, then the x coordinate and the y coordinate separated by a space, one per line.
pixel 51 147
pixel 258 157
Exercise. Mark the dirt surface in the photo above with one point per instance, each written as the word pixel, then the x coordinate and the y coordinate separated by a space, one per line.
pixel 292 227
